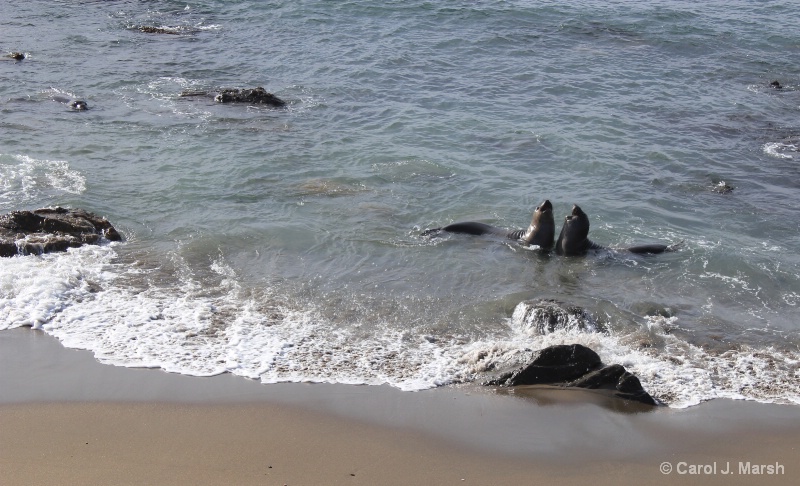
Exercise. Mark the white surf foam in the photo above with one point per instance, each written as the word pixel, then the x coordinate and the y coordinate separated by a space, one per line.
pixel 780 149
pixel 126 317
pixel 679 373
pixel 24 178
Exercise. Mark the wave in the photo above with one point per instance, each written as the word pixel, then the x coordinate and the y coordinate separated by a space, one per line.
pixel 206 322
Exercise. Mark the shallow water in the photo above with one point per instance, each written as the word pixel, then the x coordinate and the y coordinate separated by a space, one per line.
pixel 285 244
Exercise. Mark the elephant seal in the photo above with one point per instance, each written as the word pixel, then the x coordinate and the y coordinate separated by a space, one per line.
pixel 573 239
pixel 255 96
pixel 541 231
pixel 77 105
pixel 17 56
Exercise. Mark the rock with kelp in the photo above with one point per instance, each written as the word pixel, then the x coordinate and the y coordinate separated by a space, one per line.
pixel 255 96
pixel 52 230
pixel 575 366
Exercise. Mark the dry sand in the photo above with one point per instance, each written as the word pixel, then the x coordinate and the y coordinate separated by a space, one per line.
pixel 66 419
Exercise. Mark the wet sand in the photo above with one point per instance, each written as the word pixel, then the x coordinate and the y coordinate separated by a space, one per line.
pixel 66 419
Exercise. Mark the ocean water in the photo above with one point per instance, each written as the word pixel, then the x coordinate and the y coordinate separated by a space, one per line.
pixel 286 244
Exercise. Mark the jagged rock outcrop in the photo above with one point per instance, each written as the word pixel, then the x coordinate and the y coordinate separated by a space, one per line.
pixel 576 366
pixel 51 230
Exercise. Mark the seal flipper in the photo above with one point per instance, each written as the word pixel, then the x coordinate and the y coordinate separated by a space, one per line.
pixel 591 245
pixel 654 249
pixel 648 249
pixel 469 228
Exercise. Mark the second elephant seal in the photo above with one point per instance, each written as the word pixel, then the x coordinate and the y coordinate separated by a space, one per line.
pixel 574 238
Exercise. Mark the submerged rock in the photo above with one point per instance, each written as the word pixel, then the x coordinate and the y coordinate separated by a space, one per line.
pixel 544 316
pixel 52 230
pixel 576 366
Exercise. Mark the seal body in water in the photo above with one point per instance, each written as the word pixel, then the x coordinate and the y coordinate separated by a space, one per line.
pixel 541 231
pixel 255 96
pixel 77 105
pixel 574 238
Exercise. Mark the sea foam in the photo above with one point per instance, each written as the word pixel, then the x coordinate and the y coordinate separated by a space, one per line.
pixel 24 178
pixel 120 312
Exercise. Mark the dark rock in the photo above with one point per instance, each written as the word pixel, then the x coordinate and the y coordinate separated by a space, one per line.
pixel 52 230
pixel 545 316
pixel 257 96
pixel 576 366
pixel 616 378
pixel 555 364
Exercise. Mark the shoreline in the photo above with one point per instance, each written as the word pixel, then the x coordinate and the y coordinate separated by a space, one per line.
pixel 159 427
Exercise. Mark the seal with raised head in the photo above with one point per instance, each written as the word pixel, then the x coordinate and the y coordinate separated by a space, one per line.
pixel 540 232
pixel 574 238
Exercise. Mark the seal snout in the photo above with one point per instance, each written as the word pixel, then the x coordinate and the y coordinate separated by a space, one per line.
pixel 545 206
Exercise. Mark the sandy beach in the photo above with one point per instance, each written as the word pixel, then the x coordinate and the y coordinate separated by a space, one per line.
pixel 66 419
